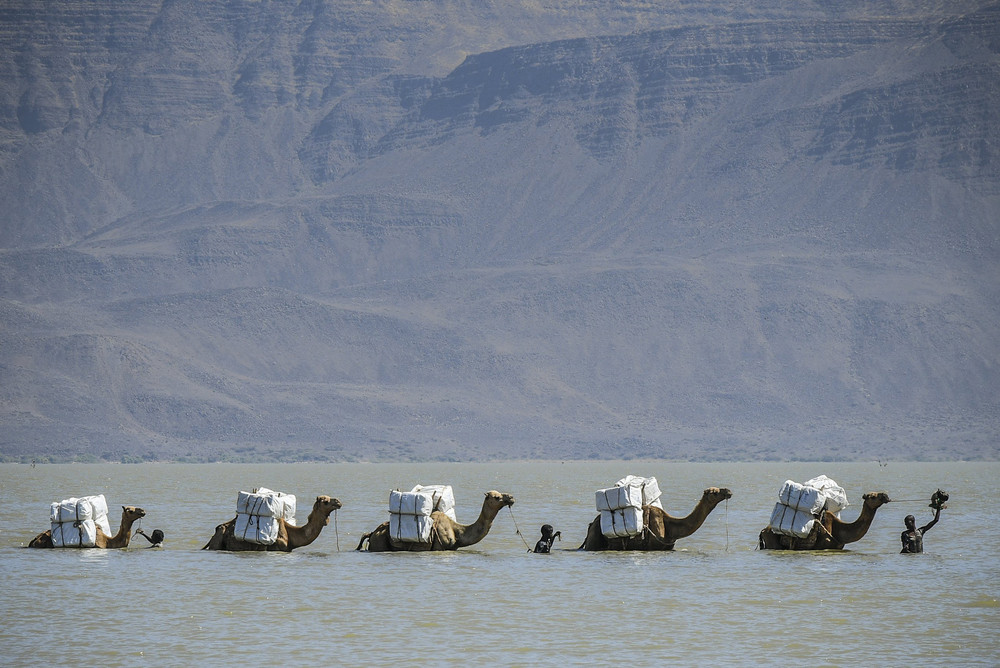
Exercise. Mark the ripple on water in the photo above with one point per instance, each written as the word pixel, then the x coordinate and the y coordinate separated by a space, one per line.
pixel 983 602
pixel 715 600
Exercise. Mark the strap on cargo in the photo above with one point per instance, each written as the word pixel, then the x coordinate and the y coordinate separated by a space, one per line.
pixel 253 517
pixel 78 525
pixel 653 537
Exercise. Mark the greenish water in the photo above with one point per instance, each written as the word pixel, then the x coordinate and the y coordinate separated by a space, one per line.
pixel 716 599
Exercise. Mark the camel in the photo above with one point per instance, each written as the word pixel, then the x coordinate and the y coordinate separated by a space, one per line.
pixel 829 533
pixel 446 533
pixel 121 539
pixel 289 535
pixel 661 529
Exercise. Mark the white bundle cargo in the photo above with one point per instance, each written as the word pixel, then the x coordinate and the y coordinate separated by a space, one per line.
pixel 410 528
pixel 836 497
pixel 650 488
pixel 801 497
pixel 444 498
pixel 799 506
pixel 259 515
pixel 411 503
pixel 621 505
pixel 265 502
pixel 617 498
pixel 621 522
pixel 82 533
pixel 74 521
pixel 791 522
pixel 410 516
pixel 258 529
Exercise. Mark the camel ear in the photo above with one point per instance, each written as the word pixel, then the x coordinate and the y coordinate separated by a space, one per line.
pixel 123 509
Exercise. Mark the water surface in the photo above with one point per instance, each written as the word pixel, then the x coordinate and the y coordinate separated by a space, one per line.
pixel 715 599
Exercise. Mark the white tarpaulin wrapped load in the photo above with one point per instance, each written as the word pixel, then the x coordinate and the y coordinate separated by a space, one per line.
pixel 410 512
pixel 410 516
pixel 836 497
pixel 650 489
pixel 791 522
pixel 616 498
pixel 621 506
pixel 267 503
pixel 800 497
pixel 259 514
pixel 74 521
pixel 411 503
pixel 622 522
pixel 799 505
pixel 444 498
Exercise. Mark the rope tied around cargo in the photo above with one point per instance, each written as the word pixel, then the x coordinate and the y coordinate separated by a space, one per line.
pixel 252 514
pixel 517 530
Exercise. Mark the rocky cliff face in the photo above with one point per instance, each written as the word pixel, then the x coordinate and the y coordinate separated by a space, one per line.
pixel 428 229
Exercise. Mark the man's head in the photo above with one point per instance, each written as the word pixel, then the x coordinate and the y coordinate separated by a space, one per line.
pixel 911 522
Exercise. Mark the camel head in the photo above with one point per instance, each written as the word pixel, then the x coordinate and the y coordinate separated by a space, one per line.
pixel 498 500
pixel 132 513
pixel 326 505
pixel 716 495
pixel 875 499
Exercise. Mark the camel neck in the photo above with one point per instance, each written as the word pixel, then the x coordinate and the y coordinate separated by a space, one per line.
pixel 121 539
pixel 850 532
pixel 475 532
pixel 309 531
pixel 681 527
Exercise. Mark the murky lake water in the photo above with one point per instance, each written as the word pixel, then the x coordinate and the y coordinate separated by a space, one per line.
pixel 716 599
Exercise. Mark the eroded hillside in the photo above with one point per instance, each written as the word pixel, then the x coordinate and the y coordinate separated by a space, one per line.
pixel 429 230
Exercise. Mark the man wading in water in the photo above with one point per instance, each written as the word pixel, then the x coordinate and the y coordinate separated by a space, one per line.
pixel 544 544
pixel 156 539
pixel 913 538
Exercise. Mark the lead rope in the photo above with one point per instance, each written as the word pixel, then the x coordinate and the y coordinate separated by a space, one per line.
pixel 911 501
pixel 336 530
pixel 517 530
pixel 727 525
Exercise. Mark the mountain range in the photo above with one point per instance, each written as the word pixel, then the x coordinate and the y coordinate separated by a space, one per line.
pixel 438 230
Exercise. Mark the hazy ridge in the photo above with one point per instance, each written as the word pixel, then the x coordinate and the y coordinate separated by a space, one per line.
pixel 421 230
